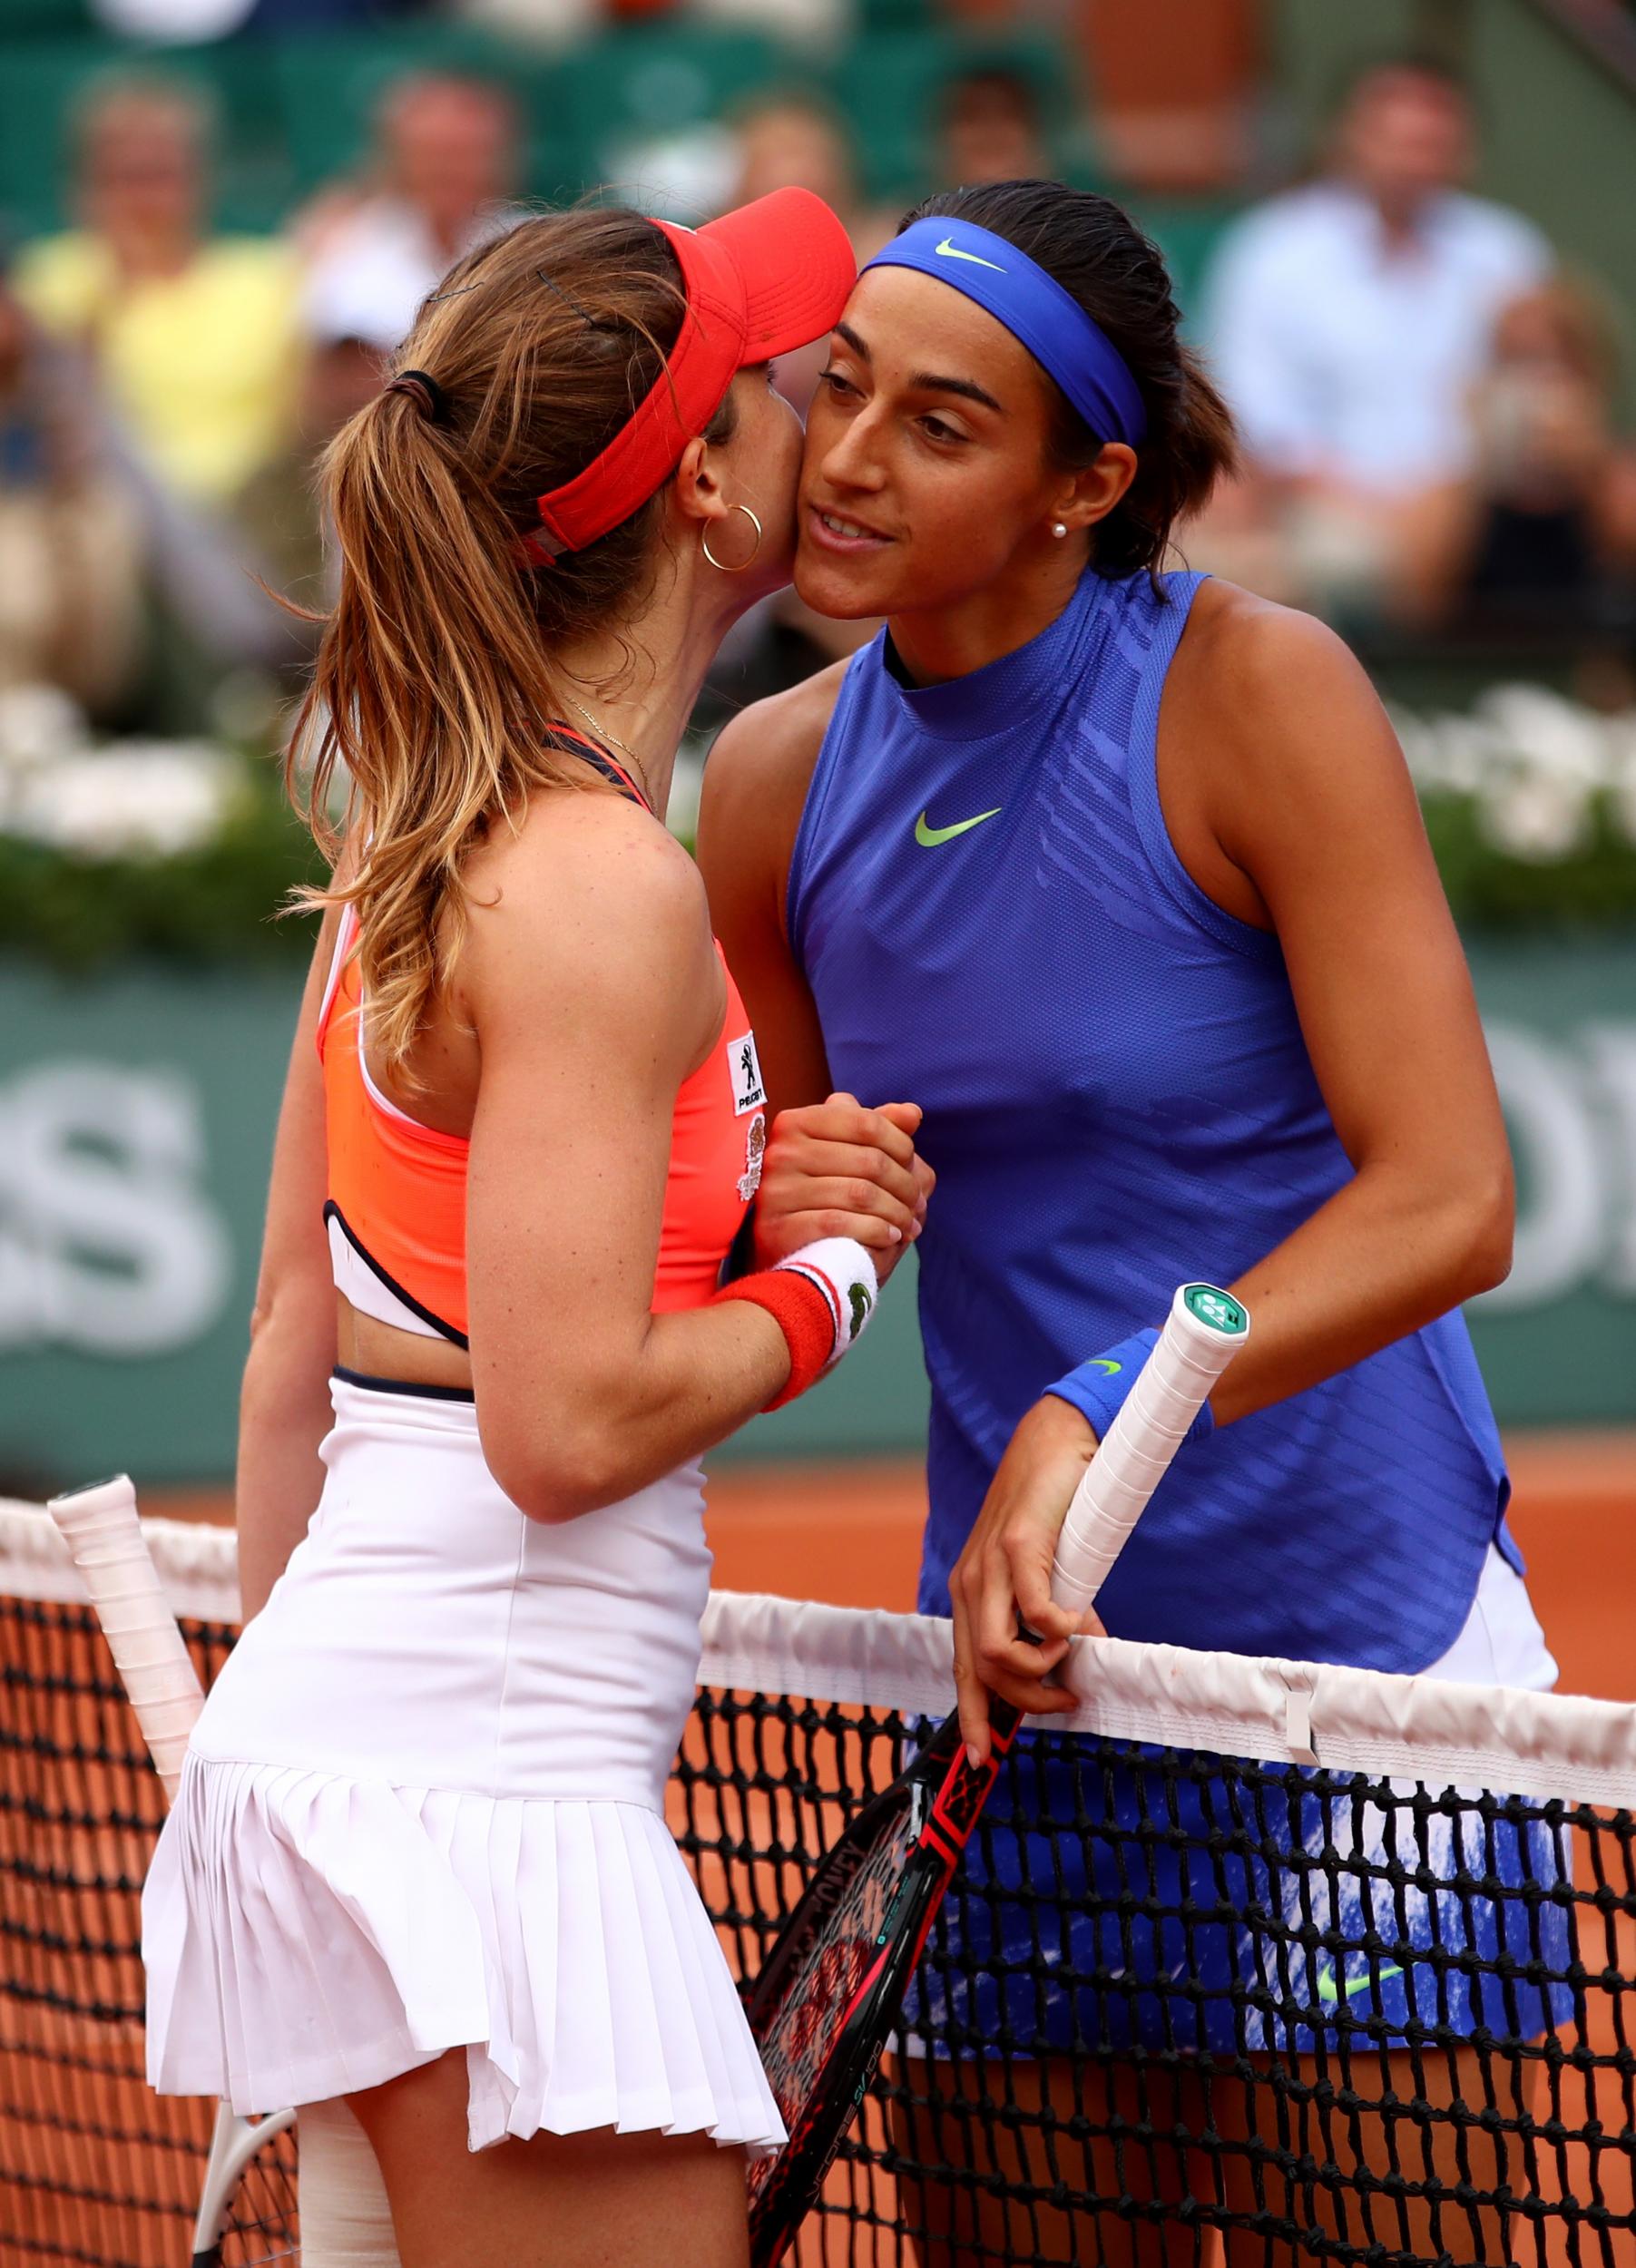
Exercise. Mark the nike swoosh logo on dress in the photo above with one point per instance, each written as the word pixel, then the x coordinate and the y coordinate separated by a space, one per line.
pixel 928 837
pixel 1329 1987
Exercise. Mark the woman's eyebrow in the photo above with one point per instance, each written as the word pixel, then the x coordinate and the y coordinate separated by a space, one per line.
pixel 923 381
pixel 928 382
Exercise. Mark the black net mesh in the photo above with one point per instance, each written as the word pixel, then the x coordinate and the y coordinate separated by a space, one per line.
pixel 93 2167
pixel 1186 2009
pixel 1181 2009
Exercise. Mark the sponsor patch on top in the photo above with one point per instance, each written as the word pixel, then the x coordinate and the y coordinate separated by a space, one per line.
pixel 744 1069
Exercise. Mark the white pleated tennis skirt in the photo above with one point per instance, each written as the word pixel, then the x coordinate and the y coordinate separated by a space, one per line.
pixel 423 1809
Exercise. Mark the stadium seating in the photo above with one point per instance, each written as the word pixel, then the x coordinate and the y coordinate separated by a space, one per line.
pixel 642 82
pixel 294 111
pixel 327 84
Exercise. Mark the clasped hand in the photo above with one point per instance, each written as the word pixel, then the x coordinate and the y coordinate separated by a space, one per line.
pixel 836 1168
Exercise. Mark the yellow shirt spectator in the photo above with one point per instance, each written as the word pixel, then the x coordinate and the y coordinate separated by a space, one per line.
pixel 203 365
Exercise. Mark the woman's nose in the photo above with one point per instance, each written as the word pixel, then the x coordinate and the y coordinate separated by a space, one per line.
pixel 852 460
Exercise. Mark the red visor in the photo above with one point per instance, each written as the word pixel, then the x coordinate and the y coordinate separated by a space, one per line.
pixel 760 281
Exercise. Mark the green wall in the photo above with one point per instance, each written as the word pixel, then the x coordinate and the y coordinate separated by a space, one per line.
pixel 136 1120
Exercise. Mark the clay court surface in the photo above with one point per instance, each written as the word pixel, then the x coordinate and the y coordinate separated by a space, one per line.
pixel 846 1533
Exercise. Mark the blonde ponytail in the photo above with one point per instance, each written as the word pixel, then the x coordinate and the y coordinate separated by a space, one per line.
pixel 435 681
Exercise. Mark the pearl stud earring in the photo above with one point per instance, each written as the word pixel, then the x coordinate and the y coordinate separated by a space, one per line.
pixel 1058 527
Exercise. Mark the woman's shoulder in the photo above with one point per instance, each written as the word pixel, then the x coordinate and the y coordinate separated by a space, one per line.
pixel 1252 651
pixel 1268 714
pixel 756 782
pixel 583 875
pixel 779 737
pixel 584 915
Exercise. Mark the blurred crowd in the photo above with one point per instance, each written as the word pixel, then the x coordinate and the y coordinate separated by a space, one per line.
pixel 1426 400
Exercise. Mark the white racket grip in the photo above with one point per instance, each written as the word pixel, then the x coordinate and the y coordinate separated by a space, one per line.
pixel 1203 1331
pixel 106 1538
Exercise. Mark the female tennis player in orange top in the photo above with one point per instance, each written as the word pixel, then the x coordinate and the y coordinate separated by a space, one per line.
pixel 419 1860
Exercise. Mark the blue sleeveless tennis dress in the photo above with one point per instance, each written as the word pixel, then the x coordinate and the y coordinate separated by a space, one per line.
pixel 994 923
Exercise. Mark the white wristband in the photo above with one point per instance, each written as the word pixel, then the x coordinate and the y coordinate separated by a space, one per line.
pixel 843 1271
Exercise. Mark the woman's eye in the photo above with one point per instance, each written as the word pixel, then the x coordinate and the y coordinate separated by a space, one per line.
pixel 938 431
pixel 836 383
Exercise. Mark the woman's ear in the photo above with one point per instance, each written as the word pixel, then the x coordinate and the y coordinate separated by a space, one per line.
pixel 1086 497
pixel 697 489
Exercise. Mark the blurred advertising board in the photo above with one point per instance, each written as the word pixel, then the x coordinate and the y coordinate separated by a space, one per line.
pixel 136 1117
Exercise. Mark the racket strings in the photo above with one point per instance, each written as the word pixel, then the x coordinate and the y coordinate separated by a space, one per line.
pixel 262 2222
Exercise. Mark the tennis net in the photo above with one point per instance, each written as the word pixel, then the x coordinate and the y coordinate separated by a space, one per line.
pixel 1248 1962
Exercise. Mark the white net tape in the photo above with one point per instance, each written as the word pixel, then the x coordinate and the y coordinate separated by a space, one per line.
pixel 1419 1728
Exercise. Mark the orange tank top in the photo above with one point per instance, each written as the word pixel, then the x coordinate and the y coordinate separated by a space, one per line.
pixel 396 1210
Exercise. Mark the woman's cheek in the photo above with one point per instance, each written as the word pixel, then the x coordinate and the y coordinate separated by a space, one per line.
pixel 784 469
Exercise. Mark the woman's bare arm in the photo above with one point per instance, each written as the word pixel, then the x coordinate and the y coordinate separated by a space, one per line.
pixel 755 786
pixel 1290 801
pixel 589 977
pixel 1314 805
pixel 284 1409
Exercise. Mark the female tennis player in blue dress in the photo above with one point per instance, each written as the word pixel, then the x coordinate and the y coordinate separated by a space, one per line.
pixel 1118 873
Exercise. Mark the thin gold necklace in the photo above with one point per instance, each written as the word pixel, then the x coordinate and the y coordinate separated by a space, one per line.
pixel 601 730
pixel 613 741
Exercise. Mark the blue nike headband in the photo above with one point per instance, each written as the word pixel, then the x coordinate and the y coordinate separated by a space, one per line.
pixel 1036 310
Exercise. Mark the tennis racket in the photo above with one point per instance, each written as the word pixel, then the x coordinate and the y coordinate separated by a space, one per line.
pixel 247 2213
pixel 832 1988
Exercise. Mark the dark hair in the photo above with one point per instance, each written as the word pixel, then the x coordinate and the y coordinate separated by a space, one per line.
pixel 438 666
pixel 1101 258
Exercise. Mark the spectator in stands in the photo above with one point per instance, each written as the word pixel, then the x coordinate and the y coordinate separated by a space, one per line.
pixel 196 338
pixel 990 129
pixel 280 514
pixel 446 161
pixel 789 141
pixel 1347 319
pixel 1541 531
pixel 71 539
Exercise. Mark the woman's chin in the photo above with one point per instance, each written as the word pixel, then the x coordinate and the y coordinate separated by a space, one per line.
pixel 841 592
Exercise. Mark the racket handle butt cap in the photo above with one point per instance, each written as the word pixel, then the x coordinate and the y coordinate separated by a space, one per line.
pixel 83 1507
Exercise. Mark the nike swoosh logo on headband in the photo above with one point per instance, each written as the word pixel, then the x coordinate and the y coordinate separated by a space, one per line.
pixel 953 251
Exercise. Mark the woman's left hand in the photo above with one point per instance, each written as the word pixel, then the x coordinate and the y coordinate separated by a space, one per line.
pixel 1004 1574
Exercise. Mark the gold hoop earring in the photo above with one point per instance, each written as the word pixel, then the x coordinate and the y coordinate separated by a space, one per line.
pixel 704 546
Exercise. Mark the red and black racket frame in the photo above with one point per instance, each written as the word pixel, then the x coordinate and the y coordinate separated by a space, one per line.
pixel 942 1771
